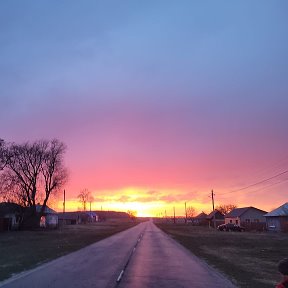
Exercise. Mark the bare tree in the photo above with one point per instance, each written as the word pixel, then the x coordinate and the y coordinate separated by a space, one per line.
pixel 226 208
pixel 3 158
pixel 190 211
pixel 132 214
pixel 23 168
pixel 54 173
pixel 84 196
pixel 11 190
pixel 31 171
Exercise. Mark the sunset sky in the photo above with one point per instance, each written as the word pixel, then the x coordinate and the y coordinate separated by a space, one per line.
pixel 158 102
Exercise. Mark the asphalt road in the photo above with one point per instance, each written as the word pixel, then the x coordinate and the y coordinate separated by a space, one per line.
pixel 142 256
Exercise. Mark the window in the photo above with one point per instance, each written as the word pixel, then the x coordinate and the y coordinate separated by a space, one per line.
pixel 247 220
pixel 256 220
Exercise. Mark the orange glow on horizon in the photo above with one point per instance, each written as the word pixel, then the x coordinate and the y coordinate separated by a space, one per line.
pixel 135 199
pixel 150 203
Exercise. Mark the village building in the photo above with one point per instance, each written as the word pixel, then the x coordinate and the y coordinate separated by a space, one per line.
pixel 215 218
pixel 200 219
pixel 277 219
pixel 11 216
pixel 49 219
pixel 250 218
pixel 71 218
pixel 78 217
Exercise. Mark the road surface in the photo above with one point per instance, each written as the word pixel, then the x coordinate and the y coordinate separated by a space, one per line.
pixel 142 256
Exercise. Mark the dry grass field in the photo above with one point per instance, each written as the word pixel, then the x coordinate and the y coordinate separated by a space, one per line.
pixel 22 250
pixel 248 259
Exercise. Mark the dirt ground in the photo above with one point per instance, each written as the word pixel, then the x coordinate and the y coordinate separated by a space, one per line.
pixel 248 259
pixel 23 250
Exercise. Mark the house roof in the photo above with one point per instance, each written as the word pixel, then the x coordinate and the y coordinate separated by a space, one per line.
pixel 214 214
pixel 238 212
pixel 112 214
pixel 47 210
pixel 9 207
pixel 280 211
pixel 70 215
pixel 202 215
pixel 101 214
pixel 91 214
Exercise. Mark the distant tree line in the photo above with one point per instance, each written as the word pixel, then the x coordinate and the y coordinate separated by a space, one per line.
pixel 31 172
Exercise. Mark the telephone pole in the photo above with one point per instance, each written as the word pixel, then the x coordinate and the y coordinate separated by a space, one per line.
pixel 212 196
pixel 64 202
pixel 185 213
pixel 174 215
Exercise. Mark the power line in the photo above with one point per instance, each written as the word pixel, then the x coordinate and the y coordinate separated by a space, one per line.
pixel 279 182
pixel 273 168
pixel 264 188
pixel 257 183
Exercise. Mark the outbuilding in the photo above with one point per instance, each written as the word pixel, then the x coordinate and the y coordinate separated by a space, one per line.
pixel 215 218
pixel 11 216
pixel 200 219
pixel 49 219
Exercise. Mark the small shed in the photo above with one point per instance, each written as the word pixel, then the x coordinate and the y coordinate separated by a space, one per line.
pixel 11 216
pixel 92 217
pixel 69 218
pixel 215 218
pixel 200 219
pixel 277 219
pixel 49 219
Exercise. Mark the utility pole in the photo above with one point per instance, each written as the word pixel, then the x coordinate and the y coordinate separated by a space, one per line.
pixel 64 202
pixel 212 196
pixel 174 215
pixel 185 214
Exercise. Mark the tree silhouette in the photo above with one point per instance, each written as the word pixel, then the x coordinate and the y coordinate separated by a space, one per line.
pixel 84 197
pixel 32 172
pixel 190 212
pixel 226 208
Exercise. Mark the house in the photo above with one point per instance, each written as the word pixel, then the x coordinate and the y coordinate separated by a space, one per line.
pixel 92 216
pixel 215 218
pixel 112 216
pixel 249 217
pixel 277 219
pixel 80 217
pixel 11 216
pixel 69 218
pixel 200 219
pixel 49 219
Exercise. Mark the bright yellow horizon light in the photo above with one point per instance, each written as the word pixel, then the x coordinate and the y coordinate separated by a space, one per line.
pixel 143 209
pixel 146 203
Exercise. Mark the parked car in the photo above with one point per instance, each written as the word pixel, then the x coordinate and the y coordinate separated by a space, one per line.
pixel 230 227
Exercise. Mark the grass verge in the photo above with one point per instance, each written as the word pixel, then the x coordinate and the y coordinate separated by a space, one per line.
pixel 248 259
pixel 23 250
